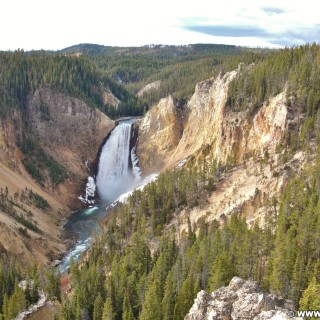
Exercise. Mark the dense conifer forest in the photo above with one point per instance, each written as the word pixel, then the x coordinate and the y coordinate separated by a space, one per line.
pixel 124 279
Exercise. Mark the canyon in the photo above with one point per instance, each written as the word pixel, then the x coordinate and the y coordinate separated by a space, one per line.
pixel 231 183
pixel 170 133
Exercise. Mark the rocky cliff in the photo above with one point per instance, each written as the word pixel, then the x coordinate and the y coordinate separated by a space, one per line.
pixel 247 142
pixel 17 201
pixel 206 120
pixel 159 134
pixel 240 300
pixel 71 132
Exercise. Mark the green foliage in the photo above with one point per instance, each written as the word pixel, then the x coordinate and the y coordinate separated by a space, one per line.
pixel 164 286
pixel 39 201
pixel 283 257
pixel 184 298
pixel 151 307
pixel 23 73
pixel 296 254
pixel 14 299
pixel 310 299
pixel 97 308
pixel 296 69
pixel 38 162
pixel 52 286
pixel 170 192
pixel 13 209
pixel 222 271
pixel 178 68
pixel 108 310
pixel 122 279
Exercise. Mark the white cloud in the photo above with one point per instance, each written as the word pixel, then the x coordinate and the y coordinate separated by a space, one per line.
pixel 36 24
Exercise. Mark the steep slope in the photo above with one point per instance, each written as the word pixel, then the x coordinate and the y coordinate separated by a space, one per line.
pixel 207 121
pixel 245 151
pixel 231 135
pixel 17 201
pixel 159 134
pixel 71 132
pixel 206 127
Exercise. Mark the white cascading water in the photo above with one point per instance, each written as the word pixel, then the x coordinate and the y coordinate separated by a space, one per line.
pixel 114 176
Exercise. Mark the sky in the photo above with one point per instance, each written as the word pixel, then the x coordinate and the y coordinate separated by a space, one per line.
pixel 54 25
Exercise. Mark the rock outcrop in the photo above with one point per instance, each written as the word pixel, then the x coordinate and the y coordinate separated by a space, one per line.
pixel 240 300
pixel 71 132
pixel 67 128
pixel 150 86
pixel 207 121
pixel 170 134
pixel 33 308
pixel 16 181
pixel 159 134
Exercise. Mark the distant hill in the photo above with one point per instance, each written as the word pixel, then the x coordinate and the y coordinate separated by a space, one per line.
pixel 87 49
pixel 158 49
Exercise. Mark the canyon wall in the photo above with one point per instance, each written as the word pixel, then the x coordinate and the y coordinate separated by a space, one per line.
pixel 71 132
pixel 173 133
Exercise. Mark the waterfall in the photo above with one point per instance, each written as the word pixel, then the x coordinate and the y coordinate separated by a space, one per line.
pixel 115 175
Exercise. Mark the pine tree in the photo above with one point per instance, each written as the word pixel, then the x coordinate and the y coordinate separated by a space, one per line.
pixel 168 301
pixel 17 302
pixel 127 313
pixel 184 299
pixel 222 271
pixel 77 310
pixel 5 307
pixel 108 313
pixel 311 296
pixel 298 279
pixel 97 308
pixel 151 309
pixel 53 286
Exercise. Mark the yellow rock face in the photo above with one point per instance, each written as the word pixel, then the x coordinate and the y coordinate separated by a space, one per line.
pixel 169 134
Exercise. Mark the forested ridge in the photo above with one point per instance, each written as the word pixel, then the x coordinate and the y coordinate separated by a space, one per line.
pixel 178 68
pixel 22 73
pixel 97 71
pixel 294 70
pixel 14 296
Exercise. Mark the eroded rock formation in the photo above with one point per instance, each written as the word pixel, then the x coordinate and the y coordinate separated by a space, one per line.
pixel 206 120
pixel 243 300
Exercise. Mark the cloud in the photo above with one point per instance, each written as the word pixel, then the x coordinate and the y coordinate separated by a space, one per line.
pixel 273 10
pixel 292 35
pixel 229 31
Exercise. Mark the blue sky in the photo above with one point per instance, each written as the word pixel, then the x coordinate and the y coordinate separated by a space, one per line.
pixel 36 24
